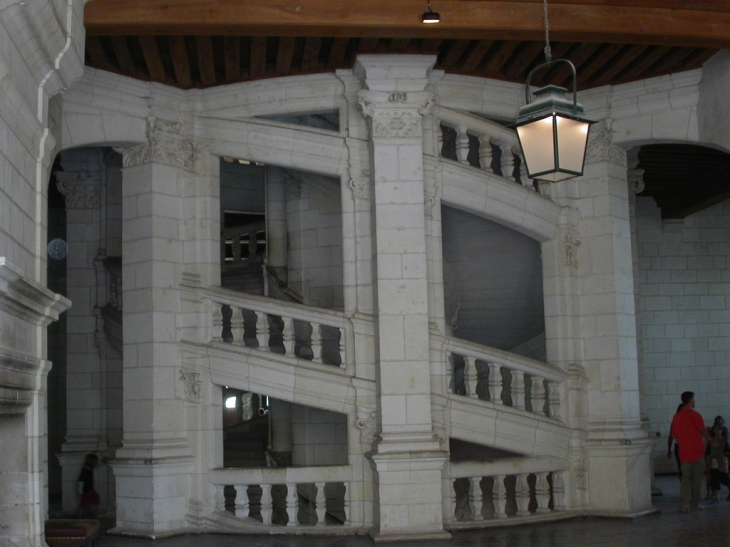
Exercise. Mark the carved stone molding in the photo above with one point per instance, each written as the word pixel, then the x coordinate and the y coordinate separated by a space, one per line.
pixel 80 190
pixel 192 386
pixel 571 245
pixel 368 429
pixel 165 144
pixel 600 148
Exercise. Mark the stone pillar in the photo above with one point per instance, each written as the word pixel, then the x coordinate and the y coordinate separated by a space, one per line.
pixel 407 459
pixel 153 466
pixel 81 182
pixel 591 332
pixel 277 246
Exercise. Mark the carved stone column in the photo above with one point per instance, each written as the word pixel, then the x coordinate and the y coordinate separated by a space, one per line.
pixel 395 103
pixel 154 465
pixel 591 327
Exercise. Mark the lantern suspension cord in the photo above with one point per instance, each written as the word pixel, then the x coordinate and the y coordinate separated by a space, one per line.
pixel 548 52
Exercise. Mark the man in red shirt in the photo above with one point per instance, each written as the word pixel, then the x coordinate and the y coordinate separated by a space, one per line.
pixel 688 428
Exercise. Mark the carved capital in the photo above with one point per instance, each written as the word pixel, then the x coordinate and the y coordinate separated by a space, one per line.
pixel 79 188
pixel 600 148
pixel 395 115
pixel 360 188
pixel 165 144
pixel 636 180
pixel 571 245
pixel 368 429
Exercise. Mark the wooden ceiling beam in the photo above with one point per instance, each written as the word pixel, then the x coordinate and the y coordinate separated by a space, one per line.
pixel 661 22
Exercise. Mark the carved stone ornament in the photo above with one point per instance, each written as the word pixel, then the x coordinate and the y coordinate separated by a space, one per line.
pixel 165 144
pixel 397 124
pixel 395 115
pixel 368 429
pixel 571 250
pixel 79 188
pixel 192 386
pixel 600 148
pixel 360 188
pixel 636 180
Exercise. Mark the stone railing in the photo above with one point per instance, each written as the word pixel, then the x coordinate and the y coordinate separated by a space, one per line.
pixel 481 143
pixel 480 493
pixel 284 497
pixel 500 377
pixel 241 242
pixel 320 336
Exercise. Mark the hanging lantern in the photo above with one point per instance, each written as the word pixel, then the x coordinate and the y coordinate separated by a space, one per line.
pixel 552 131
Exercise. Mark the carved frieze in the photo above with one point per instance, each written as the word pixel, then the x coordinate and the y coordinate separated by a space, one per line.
pixel 395 115
pixel 165 144
pixel 571 244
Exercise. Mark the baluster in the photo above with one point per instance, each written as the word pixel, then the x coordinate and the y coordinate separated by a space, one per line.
pixel 462 144
pixel 485 153
pixel 440 139
pixel 499 495
pixel 216 334
pixel 262 330
pixel 321 504
pixel 219 498
pixel 558 491
pixel 542 493
pixel 537 390
pixel 266 504
pixel 524 179
pixel 554 399
pixel 236 248
pixel 237 324
pixel 522 495
pixel 470 376
pixel 316 342
pixel 518 389
pixel 341 346
pixel 292 504
pixel 476 498
pixel 252 244
pixel 453 502
pixel 288 336
pixel 495 383
pixel 508 162
pixel 346 503
pixel 242 501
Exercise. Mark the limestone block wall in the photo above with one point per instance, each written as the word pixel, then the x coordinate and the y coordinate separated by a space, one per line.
pixel 315 240
pixel 684 314
pixel 319 437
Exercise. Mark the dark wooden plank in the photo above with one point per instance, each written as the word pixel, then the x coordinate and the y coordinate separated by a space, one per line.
pixel 602 58
pixel 152 58
pixel 454 53
pixel 258 56
pixel 284 55
pixel 232 58
pixel 627 56
pixel 476 56
pixel 96 53
pixel 311 54
pixel 337 53
pixel 124 56
pixel 502 52
pixel 636 69
pixel 530 54
pixel 206 60
pixel 180 62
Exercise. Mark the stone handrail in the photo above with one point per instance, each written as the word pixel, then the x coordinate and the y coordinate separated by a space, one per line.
pixel 489 134
pixel 500 377
pixel 481 491
pixel 288 328
pixel 271 493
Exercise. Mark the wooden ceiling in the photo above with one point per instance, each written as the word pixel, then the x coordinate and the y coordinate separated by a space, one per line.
pixel 205 43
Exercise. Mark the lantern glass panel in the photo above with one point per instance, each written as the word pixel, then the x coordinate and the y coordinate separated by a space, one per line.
pixel 536 140
pixel 572 136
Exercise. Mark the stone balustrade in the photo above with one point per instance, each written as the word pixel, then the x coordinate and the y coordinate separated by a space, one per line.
pixel 291 496
pixel 502 378
pixel 511 488
pixel 239 243
pixel 286 328
pixel 481 143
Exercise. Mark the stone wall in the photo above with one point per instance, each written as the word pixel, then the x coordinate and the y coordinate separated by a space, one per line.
pixel 684 314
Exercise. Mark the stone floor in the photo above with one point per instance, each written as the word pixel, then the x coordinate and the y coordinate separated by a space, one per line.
pixel 707 528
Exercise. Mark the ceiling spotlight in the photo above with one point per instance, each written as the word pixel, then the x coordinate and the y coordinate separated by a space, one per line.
pixel 430 16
